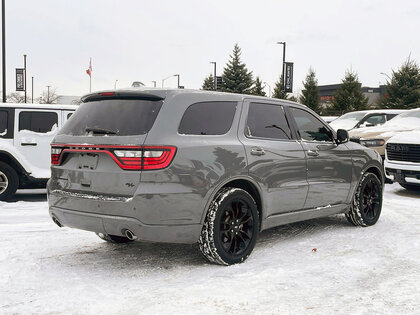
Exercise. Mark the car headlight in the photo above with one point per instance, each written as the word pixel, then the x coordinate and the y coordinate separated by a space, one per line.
pixel 372 142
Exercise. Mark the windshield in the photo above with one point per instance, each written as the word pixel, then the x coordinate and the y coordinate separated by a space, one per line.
pixel 119 117
pixel 356 117
pixel 409 119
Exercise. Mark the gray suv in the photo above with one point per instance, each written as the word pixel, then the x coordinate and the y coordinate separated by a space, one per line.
pixel 184 166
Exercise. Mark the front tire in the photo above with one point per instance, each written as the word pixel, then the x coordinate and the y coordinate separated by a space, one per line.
pixel 231 227
pixel 9 181
pixel 367 201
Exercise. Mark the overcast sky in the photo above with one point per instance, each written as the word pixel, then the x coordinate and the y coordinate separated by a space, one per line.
pixel 132 40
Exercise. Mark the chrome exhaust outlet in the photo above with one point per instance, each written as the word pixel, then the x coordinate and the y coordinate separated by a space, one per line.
pixel 130 235
pixel 55 220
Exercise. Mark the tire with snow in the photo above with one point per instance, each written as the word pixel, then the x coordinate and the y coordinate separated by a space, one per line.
pixel 114 238
pixel 231 227
pixel 9 181
pixel 367 201
pixel 410 187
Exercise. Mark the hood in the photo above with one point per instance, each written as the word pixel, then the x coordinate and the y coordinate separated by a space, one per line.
pixel 410 137
pixel 346 124
pixel 383 131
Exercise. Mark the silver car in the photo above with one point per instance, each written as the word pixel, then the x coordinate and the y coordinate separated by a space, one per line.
pixel 185 166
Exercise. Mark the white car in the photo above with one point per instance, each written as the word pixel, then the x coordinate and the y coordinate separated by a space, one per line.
pixel 364 118
pixel 26 131
pixel 402 159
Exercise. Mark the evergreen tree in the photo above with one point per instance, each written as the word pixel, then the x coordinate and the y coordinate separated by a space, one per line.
pixel 404 89
pixel 278 89
pixel 349 97
pixel 258 88
pixel 208 83
pixel 310 94
pixel 236 77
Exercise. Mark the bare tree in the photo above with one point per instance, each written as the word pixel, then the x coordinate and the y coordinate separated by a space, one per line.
pixel 50 97
pixel 16 97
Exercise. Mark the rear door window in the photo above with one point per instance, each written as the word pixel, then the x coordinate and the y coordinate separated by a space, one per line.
pixel 309 127
pixel 267 121
pixel 119 117
pixel 207 118
pixel 40 122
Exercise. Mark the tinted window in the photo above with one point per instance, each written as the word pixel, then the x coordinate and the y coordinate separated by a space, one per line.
pixel 69 115
pixel 376 120
pixel 122 117
pixel 309 127
pixel 267 121
pixel 208 118
pixel 40 122
pixel 3 123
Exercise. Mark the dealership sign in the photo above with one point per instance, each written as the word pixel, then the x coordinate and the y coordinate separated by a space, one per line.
pixel 288 83
pixel 20 85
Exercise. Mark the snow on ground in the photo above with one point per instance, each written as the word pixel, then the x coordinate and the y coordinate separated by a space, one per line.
pixel 44 269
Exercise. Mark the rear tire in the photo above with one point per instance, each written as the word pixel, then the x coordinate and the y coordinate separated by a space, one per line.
pixel 114 238
pixel 367 201
pixel 410 187
pixel 9 181
pixel 231 227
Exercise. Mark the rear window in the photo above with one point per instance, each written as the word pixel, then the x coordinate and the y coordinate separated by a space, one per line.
pixel 207 118
pixel 113 117
pixel 40 122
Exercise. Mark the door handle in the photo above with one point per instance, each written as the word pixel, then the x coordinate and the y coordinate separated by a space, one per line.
pixel 313 153
pixel 28 144
pixel 257 151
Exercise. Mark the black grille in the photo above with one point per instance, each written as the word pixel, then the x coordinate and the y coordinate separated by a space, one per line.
pixel 403 152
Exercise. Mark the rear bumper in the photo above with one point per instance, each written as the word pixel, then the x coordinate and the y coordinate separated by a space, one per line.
pixel 404 173
pixel 116 225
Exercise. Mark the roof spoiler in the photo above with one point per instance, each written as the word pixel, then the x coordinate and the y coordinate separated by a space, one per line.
pixel 131 95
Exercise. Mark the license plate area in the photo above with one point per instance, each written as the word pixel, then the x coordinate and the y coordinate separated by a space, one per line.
pixel 88 161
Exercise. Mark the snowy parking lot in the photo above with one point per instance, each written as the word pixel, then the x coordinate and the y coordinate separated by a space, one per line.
pixel 318 266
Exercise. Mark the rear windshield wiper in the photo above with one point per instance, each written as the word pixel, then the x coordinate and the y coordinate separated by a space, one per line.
pixel 101 131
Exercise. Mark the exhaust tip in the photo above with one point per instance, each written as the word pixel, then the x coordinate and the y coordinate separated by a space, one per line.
pixel 55 220
pixel 130 235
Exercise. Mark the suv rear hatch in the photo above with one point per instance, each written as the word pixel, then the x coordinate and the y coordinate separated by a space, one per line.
pixel 100 151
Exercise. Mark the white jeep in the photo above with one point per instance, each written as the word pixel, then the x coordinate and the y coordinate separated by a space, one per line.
pixel 26 131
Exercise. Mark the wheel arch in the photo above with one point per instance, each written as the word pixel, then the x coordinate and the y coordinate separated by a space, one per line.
pixel 246 184
pixel 9 159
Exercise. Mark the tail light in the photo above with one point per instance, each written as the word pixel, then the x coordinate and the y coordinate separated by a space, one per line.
pixel 127 157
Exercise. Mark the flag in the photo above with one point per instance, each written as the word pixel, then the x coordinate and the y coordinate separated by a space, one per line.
pixel 89 70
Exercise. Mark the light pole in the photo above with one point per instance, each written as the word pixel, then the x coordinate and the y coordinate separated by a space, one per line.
pixel 215 79
pixel 3 47
pixel 269 88
pixel 48 94
pixel 115 84
pixel 386 75
pixel 24 69
pixel 174 75
pixel 284 60
pixel 32 90
pixel 177 75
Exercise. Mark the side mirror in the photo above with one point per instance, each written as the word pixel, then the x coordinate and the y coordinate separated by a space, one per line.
pixel 342 136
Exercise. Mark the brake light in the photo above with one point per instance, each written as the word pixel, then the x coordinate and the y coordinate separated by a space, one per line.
pixel 127 157
pixel 55 155
pixel 107 93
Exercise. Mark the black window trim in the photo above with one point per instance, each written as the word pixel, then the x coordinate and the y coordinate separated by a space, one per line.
pixel 208 101
pixel 299 138
pixel 10 123
pixel 292 135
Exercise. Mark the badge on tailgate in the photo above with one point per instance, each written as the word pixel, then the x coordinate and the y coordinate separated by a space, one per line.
pixel 88 161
